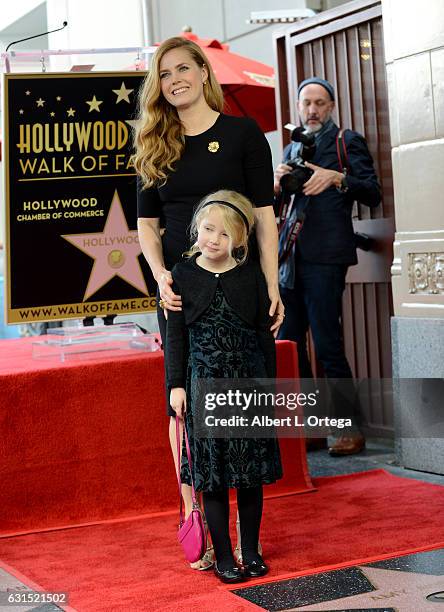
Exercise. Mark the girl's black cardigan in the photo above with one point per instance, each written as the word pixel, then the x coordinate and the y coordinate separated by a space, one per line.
pixel 246 292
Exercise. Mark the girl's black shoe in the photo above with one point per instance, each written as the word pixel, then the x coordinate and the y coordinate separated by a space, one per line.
pixel 230 575
pixel 255 568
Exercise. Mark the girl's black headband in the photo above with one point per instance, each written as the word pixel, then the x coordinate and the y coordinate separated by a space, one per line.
pixel 233 207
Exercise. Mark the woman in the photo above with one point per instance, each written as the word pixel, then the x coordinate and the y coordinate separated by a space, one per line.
pixel 185 148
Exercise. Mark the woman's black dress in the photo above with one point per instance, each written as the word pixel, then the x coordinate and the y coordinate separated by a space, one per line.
pixel 221 345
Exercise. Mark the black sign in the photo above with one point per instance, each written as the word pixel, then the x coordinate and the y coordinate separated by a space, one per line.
pixel 71 218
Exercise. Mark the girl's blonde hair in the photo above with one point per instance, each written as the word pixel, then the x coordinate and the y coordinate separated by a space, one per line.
pixel 159 136
pixel 233 222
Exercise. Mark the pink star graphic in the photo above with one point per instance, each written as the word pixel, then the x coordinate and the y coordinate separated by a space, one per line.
pixel 115 251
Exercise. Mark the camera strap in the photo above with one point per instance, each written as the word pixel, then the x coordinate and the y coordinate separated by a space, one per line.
pixel 291 238
pixel 341 150
pixel 284 201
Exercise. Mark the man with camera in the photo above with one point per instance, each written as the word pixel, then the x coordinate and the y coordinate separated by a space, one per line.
pixel 324 170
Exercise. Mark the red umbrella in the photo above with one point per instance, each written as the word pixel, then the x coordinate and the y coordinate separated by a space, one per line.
pixel 248 85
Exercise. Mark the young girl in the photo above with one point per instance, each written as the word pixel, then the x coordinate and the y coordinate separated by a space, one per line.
pixel 223 331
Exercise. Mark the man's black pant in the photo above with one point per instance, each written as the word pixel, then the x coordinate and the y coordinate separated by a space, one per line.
pixel 316 302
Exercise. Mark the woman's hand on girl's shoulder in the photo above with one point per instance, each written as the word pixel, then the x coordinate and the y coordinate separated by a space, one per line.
pixel 178 401
pixel 168 299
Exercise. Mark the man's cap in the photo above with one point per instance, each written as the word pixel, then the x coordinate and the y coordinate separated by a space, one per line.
pixel 317 81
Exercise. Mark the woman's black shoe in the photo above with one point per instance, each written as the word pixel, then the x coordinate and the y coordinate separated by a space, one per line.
pixel 256 568
pixel 230 575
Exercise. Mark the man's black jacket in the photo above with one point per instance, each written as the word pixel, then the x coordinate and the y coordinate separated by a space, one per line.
pixel 327 235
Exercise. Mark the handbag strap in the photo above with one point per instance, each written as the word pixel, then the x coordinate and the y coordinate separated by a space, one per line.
pixel 193 492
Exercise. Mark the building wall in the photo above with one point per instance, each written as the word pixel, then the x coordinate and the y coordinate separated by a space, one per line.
pixel 14 11
pixel 98 24
pixel 414 48
pixel 226 21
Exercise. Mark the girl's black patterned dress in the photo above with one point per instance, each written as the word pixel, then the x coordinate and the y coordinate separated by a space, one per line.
pixel 221 345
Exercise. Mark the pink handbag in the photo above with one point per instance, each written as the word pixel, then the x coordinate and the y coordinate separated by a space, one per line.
pixel 191 535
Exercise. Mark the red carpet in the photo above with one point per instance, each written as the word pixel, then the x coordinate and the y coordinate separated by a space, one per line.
pixel 137 565
pixel 87 440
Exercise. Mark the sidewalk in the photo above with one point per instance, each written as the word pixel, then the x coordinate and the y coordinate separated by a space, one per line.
pixel 379 454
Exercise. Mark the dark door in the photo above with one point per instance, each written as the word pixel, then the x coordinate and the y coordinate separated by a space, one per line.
pixel 345 46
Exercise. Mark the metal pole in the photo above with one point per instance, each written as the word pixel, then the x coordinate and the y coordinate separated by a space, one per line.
pixel 148 25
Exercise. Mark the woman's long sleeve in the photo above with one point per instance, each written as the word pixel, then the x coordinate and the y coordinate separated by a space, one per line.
pixel 176 350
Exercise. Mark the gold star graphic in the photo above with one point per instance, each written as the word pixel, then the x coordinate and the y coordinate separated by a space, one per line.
pixel 28 93
pixel 132 123
pixel 40 102
pixel 70 112
pixel 94 104
pixel 58 98
pixel 21 111
pixel 122 93
pixel 52 114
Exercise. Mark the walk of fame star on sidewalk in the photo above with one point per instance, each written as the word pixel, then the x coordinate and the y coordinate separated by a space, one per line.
pixel 404 591
pixel 115 251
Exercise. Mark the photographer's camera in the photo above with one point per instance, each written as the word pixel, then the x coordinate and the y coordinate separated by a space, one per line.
pixel 294 180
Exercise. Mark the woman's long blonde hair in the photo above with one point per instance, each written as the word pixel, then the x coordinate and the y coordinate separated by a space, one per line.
pixel 159 137
pixel 233 222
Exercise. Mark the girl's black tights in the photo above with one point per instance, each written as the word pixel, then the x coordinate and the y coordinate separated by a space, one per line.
pixel 217 512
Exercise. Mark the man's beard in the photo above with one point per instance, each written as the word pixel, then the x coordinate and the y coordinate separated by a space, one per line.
pixel 312 129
